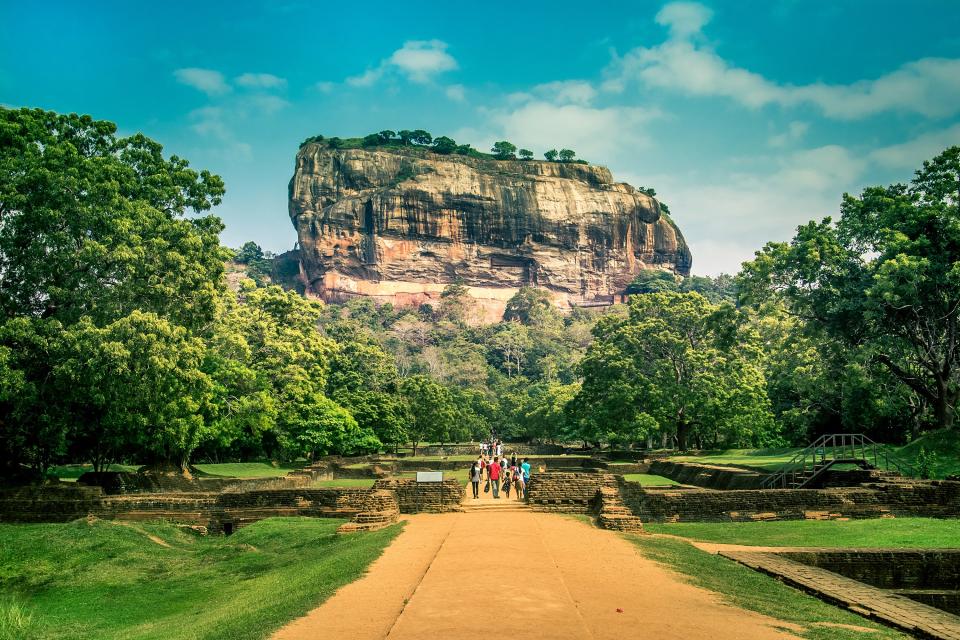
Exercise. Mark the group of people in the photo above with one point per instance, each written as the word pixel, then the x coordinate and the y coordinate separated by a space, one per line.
pixel 500 473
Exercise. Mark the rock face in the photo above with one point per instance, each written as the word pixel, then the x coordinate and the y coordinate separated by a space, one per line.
pixel 400 225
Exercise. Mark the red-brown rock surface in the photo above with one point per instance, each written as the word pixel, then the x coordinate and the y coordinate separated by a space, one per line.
pixel 400 225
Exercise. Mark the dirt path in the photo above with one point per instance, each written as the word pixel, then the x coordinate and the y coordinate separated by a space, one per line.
pixel 546 576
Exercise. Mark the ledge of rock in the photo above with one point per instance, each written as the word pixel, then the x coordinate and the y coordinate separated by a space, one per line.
pixel 399 225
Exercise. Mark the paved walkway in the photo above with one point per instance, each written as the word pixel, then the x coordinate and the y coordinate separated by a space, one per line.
pixel 543 575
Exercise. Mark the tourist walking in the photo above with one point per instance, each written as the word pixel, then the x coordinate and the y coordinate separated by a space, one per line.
pixel 494 470
pixel 519 485
pixel 525 469
pixel 507 481
pixel 475 474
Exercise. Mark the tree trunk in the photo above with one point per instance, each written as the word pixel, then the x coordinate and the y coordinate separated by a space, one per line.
pixel 682 436
pixel 415 443
pixel 943 409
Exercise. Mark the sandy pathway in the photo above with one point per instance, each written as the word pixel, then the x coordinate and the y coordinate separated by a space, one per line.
pixel 546 576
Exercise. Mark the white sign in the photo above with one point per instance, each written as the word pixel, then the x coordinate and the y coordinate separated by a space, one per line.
pixel 429 476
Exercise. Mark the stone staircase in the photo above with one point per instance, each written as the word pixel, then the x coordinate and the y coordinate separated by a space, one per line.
pixel 612 512
pixel 494 506
pixel 380 510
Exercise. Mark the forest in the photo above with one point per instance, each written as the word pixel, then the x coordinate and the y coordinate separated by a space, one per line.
pixel 121 341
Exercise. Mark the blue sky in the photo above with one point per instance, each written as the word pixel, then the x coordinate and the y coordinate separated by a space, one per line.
pixel 748 117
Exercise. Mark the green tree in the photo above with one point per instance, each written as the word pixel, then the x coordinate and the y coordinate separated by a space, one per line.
pixel 94 224
pixel 653 281
pixel 386 136
pixel 525 154
pixel 551 155
pixel 371 140
pixel 671 363
pixel 444 145
pixel 249 252
pixel 504 150
pixel 431 411
pixel 567 155
pixel 421 137
pixel 884 276
pixel 406 136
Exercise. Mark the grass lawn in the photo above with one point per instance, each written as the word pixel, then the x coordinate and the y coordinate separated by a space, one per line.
pixel 751 590
pixel 876 533
pixel 137 581
pixel 944 446
pixel 364 483
pixel 70 472
pixel 650 480
pixel 764 459
pixel 248 469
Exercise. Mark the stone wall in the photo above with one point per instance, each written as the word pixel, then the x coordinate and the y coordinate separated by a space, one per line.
pixel 430 497
pixel 564 492
pixel 708 476
pixel 937 499
pixel 124 482
pixel 216 511
pixel 888 568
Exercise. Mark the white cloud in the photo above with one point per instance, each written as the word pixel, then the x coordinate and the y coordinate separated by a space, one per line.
pixel 795 131
pixel 456 92
pixel 267 103
pixel 367 79
pixel 209 122
pixel 260 81
pixel 206 80
pixel 567 92
pixel 325 87
pixel 419 61
pixel 422 59
pixel 594 133
pixel 911 154
pixel 929 86
pixel 684 18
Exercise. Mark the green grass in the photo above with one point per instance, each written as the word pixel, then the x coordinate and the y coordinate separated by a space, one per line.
pixel 650 480
pixel 70 472
pixel 364 483
pixel 108 580
pixel 746 588
pixel 248 469
pixel 763 459
pixel 944 445
pixel 877 533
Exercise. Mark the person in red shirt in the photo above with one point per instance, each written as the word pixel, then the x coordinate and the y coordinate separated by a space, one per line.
pixel 494 470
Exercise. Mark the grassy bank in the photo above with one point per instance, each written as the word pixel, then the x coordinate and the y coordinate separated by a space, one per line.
pixel 754 591
pixel 876 533
pixel 650 480
pixel 144 581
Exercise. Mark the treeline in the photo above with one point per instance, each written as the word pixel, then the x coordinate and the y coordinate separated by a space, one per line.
pixel 502 150
pixel 120 340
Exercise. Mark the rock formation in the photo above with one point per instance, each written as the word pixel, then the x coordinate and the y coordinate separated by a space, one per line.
pixel 399 225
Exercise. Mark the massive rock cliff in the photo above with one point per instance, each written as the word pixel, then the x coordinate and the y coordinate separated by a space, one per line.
pixel 399 225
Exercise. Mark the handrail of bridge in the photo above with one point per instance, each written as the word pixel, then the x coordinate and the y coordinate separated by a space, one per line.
pixel 829 449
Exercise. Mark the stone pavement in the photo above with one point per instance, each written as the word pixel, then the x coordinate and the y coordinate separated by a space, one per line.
pixel 885 606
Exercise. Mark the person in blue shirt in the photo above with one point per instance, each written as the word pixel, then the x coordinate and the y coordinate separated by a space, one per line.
pixel 525 469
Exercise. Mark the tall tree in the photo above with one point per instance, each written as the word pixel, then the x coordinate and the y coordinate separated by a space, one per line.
pixel 884 276
pixel 92 224
pixel 504 150
pixel 670 366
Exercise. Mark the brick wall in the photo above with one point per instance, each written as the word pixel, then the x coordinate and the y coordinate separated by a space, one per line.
pixel 564 492
pixel 937 499
pixel 711 477
pixel 430 497
pixel 888 568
